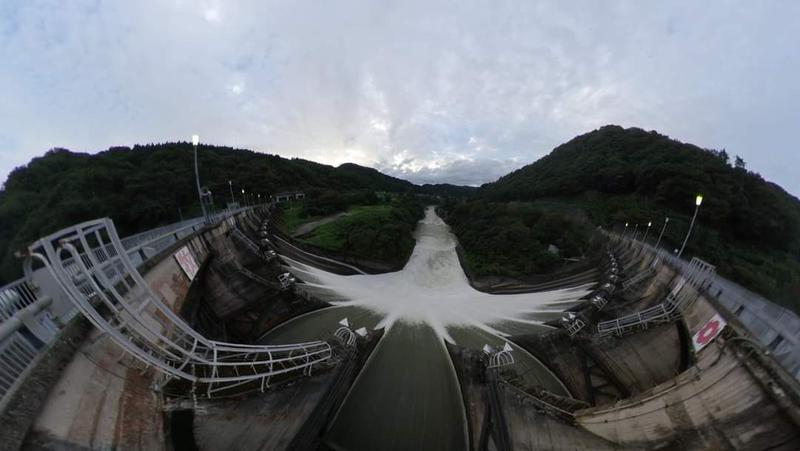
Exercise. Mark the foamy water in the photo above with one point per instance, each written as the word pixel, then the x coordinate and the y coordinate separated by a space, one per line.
pixel 433 289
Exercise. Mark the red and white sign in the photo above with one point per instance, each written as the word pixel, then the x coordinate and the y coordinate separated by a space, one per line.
pixel 708 332
pixel 186 260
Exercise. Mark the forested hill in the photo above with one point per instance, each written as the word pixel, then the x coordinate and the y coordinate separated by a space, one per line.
pixel 448 190
pixel 748 227
pixel 145 186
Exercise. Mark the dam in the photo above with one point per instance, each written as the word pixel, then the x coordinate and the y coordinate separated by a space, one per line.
pixel 230 335
pixel 423 306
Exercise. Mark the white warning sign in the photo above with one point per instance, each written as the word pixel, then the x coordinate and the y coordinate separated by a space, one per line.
pixel 186 260
pixel 708 332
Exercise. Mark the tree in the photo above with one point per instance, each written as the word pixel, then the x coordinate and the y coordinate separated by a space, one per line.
pixel 739 163
pixel 723 155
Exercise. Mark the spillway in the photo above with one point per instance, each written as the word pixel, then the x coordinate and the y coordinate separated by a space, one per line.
pixel 407 396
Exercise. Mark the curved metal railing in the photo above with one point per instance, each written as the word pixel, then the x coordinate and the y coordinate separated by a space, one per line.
pixel 92 267
pixel 698 275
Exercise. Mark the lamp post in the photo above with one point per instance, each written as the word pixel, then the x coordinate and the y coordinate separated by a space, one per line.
pixel 635 231
pixel 666 220
pixel 697 201
pixel 649 223
pixel 625 230
pixel 195 142
pixel 244 198
pixel 230 185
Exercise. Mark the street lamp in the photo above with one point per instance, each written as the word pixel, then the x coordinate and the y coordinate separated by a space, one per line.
pixel 195 142
pixel 635 231
pixel 244 198
pixel 230 185
pixel 649 223
pixel 697 201
pixel 666 220
pixel 625 230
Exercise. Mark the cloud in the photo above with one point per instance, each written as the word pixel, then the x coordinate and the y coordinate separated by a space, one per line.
pixel 457 172
pixel 425 90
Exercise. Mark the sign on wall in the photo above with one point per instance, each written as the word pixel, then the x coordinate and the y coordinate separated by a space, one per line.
pixel 708 332
pixel 186 261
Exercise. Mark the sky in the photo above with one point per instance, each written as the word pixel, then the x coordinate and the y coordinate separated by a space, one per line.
pixel 430 91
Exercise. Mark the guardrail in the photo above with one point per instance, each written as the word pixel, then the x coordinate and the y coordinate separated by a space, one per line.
pixel 140 323
pixel 33 309
pixel 699 275
pixel 775 327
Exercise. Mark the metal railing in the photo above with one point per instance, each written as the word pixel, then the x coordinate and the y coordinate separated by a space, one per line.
pixel 698 275
pixel 33 309
pixel 149 330
pixel 774 326
pixel 503 357
pixel 345 335
pixel 25 327
pixel 16 354
pixel 15 297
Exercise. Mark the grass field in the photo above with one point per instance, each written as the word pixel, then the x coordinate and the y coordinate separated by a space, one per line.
pixel 333 236
pixel 377 232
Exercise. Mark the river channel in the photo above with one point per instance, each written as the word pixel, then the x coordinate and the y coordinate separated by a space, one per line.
pixel 407 395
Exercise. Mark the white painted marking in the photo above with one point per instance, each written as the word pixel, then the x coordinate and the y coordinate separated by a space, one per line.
pixel 187 262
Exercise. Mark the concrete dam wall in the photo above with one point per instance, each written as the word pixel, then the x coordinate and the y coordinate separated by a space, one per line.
pixel 102 399
pixel 438 365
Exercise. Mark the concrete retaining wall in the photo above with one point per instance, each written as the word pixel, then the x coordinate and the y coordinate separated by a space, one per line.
pixel 103 399
pixel 726 400
pixel 719 406
pixel 628 361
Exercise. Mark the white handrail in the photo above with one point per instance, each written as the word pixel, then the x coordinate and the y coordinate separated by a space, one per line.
pixel 148 329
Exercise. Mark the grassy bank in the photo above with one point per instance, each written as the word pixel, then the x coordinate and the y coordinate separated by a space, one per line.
pixel 381 233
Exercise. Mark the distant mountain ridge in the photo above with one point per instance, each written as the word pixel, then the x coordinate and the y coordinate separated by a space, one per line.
pixel 148 185
pixel 748 227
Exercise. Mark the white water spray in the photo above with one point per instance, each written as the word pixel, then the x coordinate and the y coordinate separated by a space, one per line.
pixel 433 289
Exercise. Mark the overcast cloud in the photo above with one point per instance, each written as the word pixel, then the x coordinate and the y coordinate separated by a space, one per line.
pixel 459 92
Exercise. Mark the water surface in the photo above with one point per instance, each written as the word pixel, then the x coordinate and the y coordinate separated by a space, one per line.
pixel 407 395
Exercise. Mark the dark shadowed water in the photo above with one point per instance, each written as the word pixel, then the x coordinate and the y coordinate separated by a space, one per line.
pixel 407 395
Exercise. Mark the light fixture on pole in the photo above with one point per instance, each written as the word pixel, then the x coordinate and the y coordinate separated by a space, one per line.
pixel 625 230
pixel 697 201
pixel 230 185
pixel 195 142
pixel 649 223
pixel 666 220
pixel 635 231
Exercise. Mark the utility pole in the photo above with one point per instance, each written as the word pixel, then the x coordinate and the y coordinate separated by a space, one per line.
pixel 195 142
